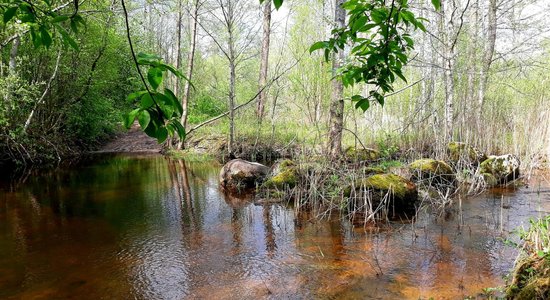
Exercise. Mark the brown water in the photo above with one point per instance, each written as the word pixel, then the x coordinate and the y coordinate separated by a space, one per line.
pixel 152 228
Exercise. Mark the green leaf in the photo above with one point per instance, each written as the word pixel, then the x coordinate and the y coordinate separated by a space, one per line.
pixel 10 13
pixel 74 26
pixel 436 4
pixel 45 36
pixel 379 15
pixel 36 40
pixel 359 22
pixel 146 101
pixel 60 19
pixel 66 37
pixel 154 76
pixel 166 105
pixel 148 59
pixel 278 3
pixel 179 129
pixel 135 95
pixel 144 118
pixel 364 104
pixel 174 100
pixel 161 134
pixel 130 117
pixel 318 45
pixel 176 72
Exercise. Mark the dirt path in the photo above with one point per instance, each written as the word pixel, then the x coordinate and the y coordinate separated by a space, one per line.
pixel 131 141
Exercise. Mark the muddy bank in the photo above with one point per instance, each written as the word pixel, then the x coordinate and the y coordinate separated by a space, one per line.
pixel 132 141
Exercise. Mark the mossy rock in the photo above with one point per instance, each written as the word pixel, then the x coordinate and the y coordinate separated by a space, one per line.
pixel 430 169
pixel 403 192
pixel 530 279
pixel 490 180
pixel 284 174
pixel 374 170
pixel 504 168
pixel 464 152
pixel 535 289
pixel 362 154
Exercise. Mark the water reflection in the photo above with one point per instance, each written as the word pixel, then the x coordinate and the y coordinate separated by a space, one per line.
pixel 156 228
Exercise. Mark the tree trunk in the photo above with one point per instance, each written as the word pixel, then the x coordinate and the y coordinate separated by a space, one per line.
pixel 13 54
pixel 190 65
pixel 449 53
pixel 178 45
pixel 337 102
pixel 44 94
pixel 265 59
pixel 488 54
pixel 232 75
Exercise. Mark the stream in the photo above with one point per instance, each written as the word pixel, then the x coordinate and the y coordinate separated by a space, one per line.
pixel 149 227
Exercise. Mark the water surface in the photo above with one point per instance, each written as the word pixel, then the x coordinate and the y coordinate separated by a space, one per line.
pixel 147 227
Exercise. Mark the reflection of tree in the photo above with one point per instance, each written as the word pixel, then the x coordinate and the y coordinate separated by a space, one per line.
pixel 236 228
pixel 270 243
pixel 180 183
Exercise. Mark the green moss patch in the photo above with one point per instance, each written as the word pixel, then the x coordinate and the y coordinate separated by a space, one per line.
pixel 362 154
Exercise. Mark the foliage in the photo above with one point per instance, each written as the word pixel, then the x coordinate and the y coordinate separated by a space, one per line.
pixel 43 21
pixel 158 112
pixel 536 239
pixel 379 37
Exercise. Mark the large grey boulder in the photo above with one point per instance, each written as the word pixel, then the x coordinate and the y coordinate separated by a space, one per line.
pixel 238 173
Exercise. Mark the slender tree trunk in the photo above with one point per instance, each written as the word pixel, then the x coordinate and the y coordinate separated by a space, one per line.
pixel 190 65
pixel 265 59
pixel 178 45
pixel 46 91
pixel 337 102
pixel 232 75
pixel 13 54
pixel 448 64
pixel 488 54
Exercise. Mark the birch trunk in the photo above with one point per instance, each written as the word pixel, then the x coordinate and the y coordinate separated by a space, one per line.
pixel 13 54
pixel 264 58
pixel 337 103
pixel 190 65
pixel 488 54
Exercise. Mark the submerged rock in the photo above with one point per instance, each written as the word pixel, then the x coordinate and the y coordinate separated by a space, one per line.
pixel 503 169
pixel 362 154
pixel 238 173
pixel 430 169
pixel 464 152
pixel 402 192
pixel 283 174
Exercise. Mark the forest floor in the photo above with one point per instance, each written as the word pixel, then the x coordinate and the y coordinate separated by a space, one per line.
pixel 132 141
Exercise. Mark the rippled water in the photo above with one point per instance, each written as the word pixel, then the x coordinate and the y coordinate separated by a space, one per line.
pixel 147 227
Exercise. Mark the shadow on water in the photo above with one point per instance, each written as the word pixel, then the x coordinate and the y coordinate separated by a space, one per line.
pixel 149 227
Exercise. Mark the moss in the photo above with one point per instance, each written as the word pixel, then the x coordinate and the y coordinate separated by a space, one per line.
pixel 284 174
pixel 530 280
pixel 399 187
pixel 535 289
pixel 490 180
pixel 361 154
pixel 458 151
pixel 402 191
pixel 286 178
pixel 374 170
pixel 431 167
